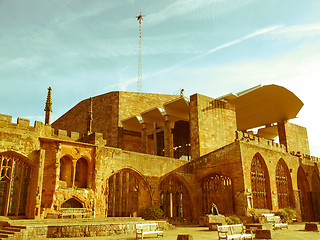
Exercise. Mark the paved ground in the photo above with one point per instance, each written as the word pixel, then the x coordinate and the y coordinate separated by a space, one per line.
pixel 295 232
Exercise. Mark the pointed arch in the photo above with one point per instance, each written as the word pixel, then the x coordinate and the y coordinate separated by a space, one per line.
pixel 128 194
pixel 72 203
pixel 176 196
pixel 315 195
pixel 15 176
pixel 284 185
pixel 304 196
pixel 66 168
pixel 217 189
pixel 81 173
pixel 260 183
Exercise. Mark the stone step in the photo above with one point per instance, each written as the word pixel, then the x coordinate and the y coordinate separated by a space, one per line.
pixel 17 227
pixel 13 229
pixel 7 232
pixel 4 236
pixel 28 222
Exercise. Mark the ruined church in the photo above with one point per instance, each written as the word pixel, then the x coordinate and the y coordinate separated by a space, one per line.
pixel 114 154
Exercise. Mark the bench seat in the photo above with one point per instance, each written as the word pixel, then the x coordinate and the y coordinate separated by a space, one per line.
pixel 275 221
pixel 235 231
pixel 280 226
pixel 148 228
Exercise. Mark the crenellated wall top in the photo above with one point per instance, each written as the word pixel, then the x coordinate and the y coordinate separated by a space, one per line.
pixel 39 129
pixel 250 138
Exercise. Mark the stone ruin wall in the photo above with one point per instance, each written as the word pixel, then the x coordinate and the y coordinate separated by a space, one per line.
pixel 104 161
pixel 44 146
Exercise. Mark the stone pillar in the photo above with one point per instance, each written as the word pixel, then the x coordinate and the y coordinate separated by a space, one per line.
pixel 297 208
pixel 74 169
pixel 144 139
pixel 155 144
pixel 168 138
pixel 37 209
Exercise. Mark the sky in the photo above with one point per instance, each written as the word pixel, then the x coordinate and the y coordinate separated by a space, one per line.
pixel 84 48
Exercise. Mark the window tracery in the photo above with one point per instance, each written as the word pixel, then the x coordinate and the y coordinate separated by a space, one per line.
pixel 283 182
pixel 14 183
pixel 260 183
pixel 174 198
pixel 124 190
pixel 217 189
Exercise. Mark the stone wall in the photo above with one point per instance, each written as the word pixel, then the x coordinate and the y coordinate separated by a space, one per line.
pixel 212 124
pixel 105 117
pixel 108 111
pixel 294 137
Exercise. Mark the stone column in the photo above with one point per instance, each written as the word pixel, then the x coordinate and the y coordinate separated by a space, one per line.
pixel 144 139
pixel 155 144
pixel 168 138
pixel 37 208
pixel 74 169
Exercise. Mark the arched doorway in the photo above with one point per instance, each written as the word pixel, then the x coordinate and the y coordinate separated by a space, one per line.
pixel 14 183
pixel 304 196
pixel 175 198
pixel 284 185
pixel 217 189
pixel 128 194
pixel 260 183
pixel 315 194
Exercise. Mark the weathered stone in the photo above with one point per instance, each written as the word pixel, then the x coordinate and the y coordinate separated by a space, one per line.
pixel 184 237
pixel 311 227
pixel 263 234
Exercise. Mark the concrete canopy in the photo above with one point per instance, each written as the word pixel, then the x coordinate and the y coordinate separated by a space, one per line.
pixel 175 110
pixel 154 115
pixel 133 123
pixel 264 105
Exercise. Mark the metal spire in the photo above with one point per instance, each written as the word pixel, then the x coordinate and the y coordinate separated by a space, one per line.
pixel 139 82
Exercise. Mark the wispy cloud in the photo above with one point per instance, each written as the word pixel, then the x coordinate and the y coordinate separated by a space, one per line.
pixel 124 84
pixel 234 42
pixel 251 35
pixel 297 31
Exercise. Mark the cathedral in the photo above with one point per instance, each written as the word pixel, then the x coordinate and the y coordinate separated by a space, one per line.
pixel 115 154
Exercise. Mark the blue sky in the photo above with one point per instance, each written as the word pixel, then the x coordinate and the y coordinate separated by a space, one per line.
pixel 84 48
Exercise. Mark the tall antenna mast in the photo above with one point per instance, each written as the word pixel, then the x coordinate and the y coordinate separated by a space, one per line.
pixel 139 82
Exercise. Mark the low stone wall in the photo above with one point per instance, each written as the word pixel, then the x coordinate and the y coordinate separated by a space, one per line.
pixel 82 230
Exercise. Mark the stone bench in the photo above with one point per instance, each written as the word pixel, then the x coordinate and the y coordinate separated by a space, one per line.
pixel 275 221
pixel 235 231
pixel 148 228
pixel 73 212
